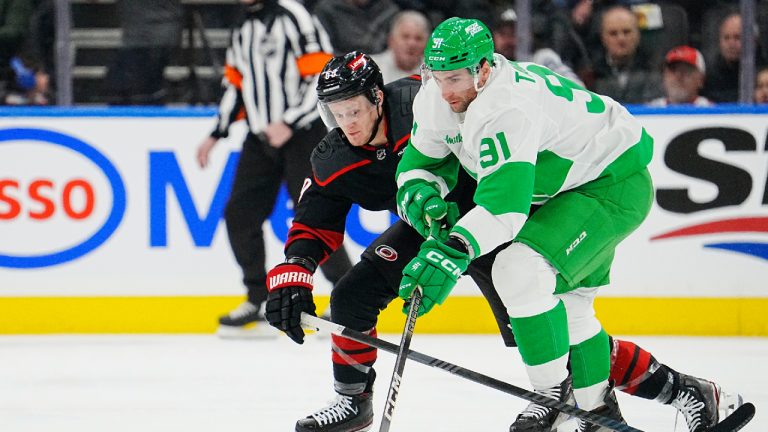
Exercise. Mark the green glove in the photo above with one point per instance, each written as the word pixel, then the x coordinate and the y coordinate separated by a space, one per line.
pixel 419 203
pixel 442 226
pixel 436 268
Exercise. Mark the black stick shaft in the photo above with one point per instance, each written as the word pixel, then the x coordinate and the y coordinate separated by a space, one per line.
pixel 321 324
pixel 397 373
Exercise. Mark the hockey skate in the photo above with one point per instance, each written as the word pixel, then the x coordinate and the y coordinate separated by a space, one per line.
pixel 246 322
pixel 609 410
pixel 538 418
pixel 345 414
pixel 703 404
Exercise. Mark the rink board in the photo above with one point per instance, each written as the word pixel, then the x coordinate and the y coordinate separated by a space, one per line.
pixel 108 226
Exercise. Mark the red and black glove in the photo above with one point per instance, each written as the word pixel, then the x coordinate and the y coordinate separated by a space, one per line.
pixel 290 294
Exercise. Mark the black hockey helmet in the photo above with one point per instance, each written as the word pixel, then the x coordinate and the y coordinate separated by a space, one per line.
pixel 349 75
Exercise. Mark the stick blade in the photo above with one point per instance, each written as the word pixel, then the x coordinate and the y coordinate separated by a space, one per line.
pixel 737 420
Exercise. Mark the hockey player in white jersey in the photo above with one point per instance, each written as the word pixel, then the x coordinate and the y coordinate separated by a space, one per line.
pixel 562 180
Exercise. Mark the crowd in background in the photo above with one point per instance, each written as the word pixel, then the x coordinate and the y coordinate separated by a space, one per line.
pixel 636 51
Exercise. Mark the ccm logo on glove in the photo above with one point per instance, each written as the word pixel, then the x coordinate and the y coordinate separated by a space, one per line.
pixel 444 262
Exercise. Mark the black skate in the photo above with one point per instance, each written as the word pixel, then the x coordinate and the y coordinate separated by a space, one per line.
pixel 345 414
pixel 699 402
pixel 245 322
pixel 609 410
pixel 538 418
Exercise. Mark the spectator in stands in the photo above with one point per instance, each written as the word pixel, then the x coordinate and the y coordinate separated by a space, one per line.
pixel 761 86
pixel 439 10
pixel 505 42
pixel 623 72
pixel 275 92
pixel 722 83
pixel 360 25
pixel 583 43
pixel 405 46
pixel 15 17
pixel 151 31
pixel 683 78
pixel 30 84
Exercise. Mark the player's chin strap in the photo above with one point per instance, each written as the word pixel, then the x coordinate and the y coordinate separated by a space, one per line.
pixel 380 111
pixel 476 77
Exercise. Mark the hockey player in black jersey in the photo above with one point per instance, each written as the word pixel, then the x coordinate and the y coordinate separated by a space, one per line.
pixel 355 164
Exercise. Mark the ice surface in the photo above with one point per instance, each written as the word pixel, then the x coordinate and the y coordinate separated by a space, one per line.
pixel 201 383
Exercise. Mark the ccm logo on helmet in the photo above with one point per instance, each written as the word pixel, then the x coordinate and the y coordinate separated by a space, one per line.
pixel 443 262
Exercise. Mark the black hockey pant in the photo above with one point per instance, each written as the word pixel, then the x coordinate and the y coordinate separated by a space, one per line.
pixel 372 284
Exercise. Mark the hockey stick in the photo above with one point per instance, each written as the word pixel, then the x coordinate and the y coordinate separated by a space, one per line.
pixel 315 323
pixel 397 373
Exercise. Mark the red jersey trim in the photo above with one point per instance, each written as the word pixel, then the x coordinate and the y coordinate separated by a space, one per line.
pixel 401 141
pixel 332 239
pixel 347 168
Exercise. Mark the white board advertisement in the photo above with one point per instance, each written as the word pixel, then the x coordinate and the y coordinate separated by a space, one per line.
pixel 116 206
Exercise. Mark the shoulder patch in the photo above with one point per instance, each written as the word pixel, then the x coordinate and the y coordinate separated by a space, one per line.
pixel 332 157
pixel 323 150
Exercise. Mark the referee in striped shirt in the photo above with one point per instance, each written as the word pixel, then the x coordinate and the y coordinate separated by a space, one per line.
pixel 269 80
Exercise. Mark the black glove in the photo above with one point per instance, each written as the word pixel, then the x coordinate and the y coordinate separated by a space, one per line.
pixel 290 294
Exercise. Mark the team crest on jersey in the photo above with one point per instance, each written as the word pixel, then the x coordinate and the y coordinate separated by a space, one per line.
pixel 381 154
pixel 388 253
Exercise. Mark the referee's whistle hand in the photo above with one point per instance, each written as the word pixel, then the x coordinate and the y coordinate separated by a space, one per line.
pixel 278 134
pixel 204 150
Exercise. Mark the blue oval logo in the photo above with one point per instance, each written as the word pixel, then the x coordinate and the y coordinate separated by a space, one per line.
pixel 110 224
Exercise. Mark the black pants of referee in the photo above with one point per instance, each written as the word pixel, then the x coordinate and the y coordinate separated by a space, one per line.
pixel 260 172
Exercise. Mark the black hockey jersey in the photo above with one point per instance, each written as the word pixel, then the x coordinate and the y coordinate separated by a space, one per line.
pixel 344 175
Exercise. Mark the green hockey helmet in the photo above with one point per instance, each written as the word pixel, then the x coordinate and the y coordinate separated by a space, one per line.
pixel 458 43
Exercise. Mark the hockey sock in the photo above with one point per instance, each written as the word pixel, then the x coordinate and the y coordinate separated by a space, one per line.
pixel 543 344
pixel 352 364
pixel 590 361
pixel 635 371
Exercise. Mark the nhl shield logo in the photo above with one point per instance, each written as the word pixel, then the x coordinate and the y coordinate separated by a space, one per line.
pixel 381 154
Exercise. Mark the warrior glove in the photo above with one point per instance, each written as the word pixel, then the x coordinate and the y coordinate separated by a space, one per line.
pixel 290 294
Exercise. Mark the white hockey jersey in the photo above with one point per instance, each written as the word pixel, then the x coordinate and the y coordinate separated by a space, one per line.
pixel 529 135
